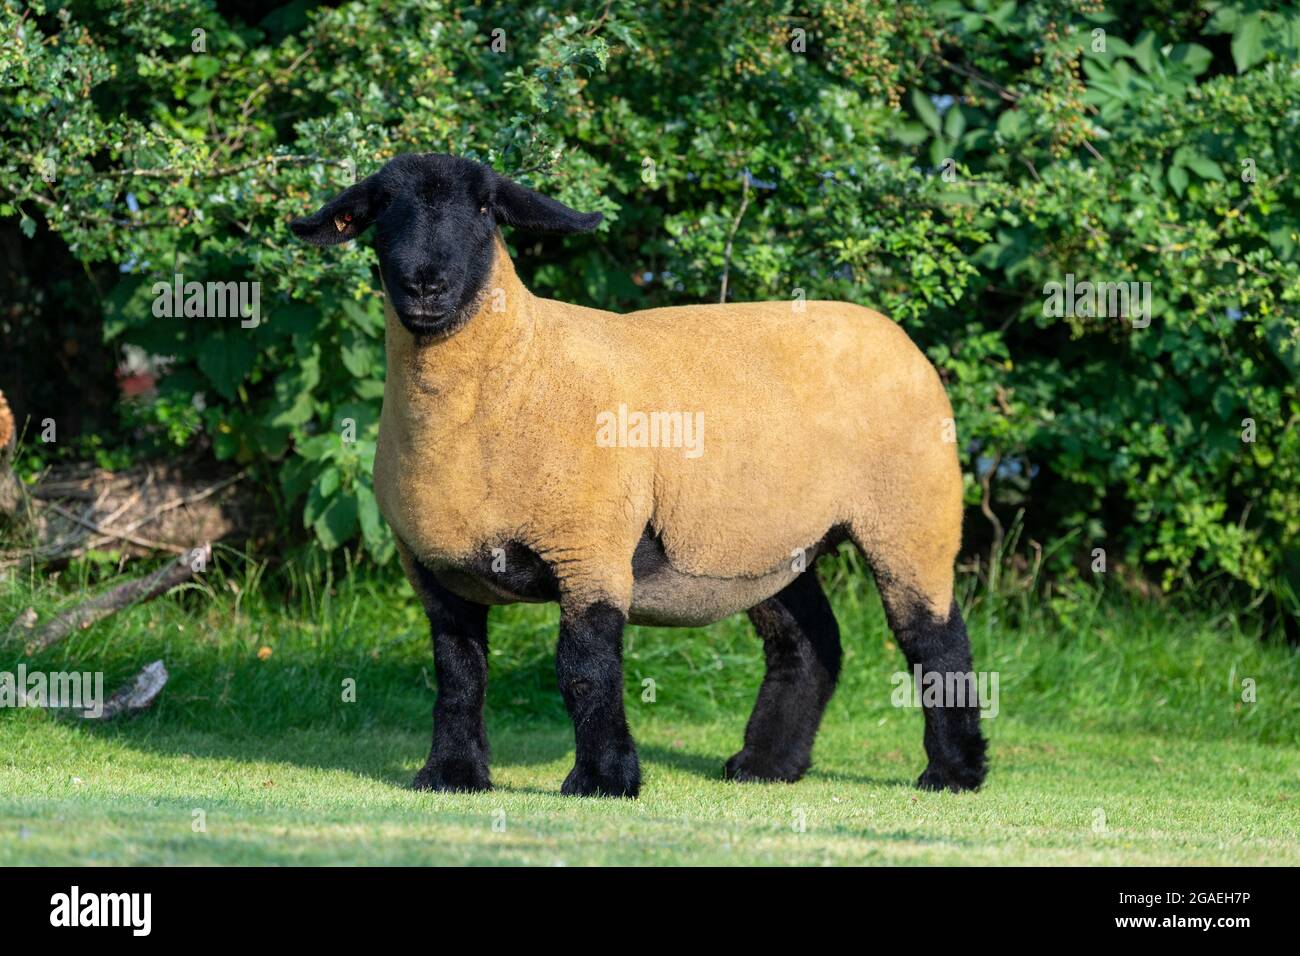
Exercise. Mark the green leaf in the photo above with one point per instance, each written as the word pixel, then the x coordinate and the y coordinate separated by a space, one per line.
pixel 1010 124
pixel 1193 56
pixel 1144 51
pixel 206 67
pixel 1003 14
pixel 909 134
pixel 1248 42
pixel 925 110
pixel 1225 19
pixel 338 523
pixel 328 481
pixel 373 528
pixel 315 505
pixel 297 411
pixel 1118 46
pixel 954 122
pixel 1205 168
pixel 369 388
pixel 358 355
pixel 226 358
pixel 1178 179
pixel 295 477
pixel 317 447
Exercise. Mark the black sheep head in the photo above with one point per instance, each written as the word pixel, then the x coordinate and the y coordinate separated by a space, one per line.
pixel 435 220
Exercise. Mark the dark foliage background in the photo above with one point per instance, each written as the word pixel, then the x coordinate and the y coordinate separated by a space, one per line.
pixel 1118 142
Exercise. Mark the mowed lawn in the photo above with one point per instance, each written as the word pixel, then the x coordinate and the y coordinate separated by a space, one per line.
pixel 1121 738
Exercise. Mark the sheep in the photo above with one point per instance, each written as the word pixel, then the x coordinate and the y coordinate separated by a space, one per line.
pixel 815 423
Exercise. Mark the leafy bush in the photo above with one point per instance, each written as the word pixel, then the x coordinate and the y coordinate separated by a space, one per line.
pixel 940 162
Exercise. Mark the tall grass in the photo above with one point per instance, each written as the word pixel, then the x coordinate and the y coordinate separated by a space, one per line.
pixel 256 652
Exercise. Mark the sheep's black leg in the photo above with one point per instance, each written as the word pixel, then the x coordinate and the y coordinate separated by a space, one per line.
pixel 801 642
pixel 589 666
pixel 458 759
pixel 954 743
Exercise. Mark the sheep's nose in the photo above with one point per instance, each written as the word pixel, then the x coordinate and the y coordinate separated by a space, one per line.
pixel 425 286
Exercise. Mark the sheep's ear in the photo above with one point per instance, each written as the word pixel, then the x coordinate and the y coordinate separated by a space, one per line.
pixel 523 208
pixel 344 217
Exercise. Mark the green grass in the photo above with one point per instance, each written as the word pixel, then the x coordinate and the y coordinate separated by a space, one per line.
pixel 1121 739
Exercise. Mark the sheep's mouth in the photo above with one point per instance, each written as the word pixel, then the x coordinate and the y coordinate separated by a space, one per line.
pixel 424 323
pixel 425 314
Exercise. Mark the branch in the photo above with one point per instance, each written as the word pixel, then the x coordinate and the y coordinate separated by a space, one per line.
pixel 979 78
pixel 102 605
pixel 170 172
pixel 987 509
pixel 735 225
pixel 111 533
pixel 591 30
pixel 136 696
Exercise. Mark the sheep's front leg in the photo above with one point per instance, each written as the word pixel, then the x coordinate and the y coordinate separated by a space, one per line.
pixel 589 666
pixel 458 758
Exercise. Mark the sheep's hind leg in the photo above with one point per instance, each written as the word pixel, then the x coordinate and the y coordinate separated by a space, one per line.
pixel 911 545
pixel 458 757
pixel 939 646
pixel 801 642
pixel 589 668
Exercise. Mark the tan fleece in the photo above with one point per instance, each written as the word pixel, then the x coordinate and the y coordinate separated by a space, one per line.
pixel 813 418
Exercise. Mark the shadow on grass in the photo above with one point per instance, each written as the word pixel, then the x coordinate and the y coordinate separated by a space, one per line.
pixel 709 767
pixel 387 755
pixel 225 703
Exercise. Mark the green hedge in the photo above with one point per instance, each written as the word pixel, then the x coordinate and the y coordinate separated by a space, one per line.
pixel 942 162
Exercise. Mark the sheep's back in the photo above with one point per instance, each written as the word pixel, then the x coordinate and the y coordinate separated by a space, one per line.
pixel 813 418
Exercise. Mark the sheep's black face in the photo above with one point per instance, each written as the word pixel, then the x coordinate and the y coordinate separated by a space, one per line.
pixel 435 218
pixel 434 238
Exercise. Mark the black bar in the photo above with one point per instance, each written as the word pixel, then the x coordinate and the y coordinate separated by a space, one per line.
pixel 542 907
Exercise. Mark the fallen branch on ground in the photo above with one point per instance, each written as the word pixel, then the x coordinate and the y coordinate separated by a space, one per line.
pixel 152 508
pixel 102 605
pixel 134 697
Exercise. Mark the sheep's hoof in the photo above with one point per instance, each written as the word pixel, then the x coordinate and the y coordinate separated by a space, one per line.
pixel 745 767
pixel 954 778
pixel 453 776
pixel 619 776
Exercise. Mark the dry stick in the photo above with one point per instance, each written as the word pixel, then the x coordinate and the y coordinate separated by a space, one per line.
pixel 735 225
pixel 102 605
pixel 187 499
pixel 970 74
pixel 124 533
pixel 177 172
pixel 68 547
pixel 135 696
pixel 130 502
pixel 987 509
pixel 121 535
pixel 591 30
pixel 56 547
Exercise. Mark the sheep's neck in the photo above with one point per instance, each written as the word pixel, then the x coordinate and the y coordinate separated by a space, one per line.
pixel 444 382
